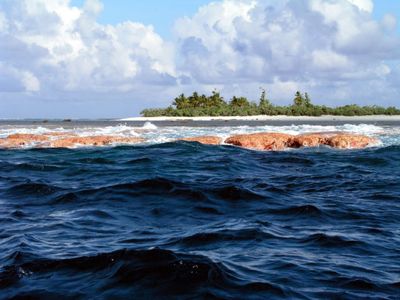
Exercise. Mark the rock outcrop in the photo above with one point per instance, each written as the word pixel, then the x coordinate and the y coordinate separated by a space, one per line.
pixel 309 140
pixel 351 141
pixel 63 140
pixel 11 143
pixel 19 140
pixel 268 141
pixel 261 141
pixel 22 137
pixel 278 141
pixel 59 134
pixel 93 141
pixel 206 140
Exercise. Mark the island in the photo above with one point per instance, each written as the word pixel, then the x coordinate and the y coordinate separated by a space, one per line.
pixel 214 105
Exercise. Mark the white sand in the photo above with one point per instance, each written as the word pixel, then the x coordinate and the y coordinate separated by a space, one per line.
pixel 270 118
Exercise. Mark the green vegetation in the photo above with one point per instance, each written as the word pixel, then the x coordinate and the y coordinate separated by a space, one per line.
pixel 214 105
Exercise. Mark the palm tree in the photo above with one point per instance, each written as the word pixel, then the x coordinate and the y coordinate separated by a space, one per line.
pixel 239 102
pixel 298 99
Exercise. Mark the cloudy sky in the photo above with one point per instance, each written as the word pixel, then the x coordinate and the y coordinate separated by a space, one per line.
pixel 108 58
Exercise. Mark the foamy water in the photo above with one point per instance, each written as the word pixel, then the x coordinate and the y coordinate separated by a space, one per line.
pixel 388 135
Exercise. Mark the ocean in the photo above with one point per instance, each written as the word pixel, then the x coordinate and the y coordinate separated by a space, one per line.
pixel 179 220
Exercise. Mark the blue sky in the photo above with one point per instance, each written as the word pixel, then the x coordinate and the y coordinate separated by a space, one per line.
pixel 163 13
pixel 383 7
pixel 113 58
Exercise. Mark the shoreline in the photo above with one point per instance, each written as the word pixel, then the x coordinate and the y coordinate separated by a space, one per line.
pixel 325 118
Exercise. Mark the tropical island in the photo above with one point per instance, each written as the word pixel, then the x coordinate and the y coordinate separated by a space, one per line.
pixel 214 105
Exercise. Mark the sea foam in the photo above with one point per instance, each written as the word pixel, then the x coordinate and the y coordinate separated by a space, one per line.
pixel 389 135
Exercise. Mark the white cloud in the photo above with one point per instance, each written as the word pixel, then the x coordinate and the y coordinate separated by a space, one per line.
pixel 332 48
pixel 3 22
pixel 366 5
pixel 329 60
pixel 93 7
pixel 389 22
pixel 30 82
pixel 17 81
pixel 78 53
pixel 312 44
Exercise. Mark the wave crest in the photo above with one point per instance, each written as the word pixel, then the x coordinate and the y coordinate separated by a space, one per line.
pixel 137 271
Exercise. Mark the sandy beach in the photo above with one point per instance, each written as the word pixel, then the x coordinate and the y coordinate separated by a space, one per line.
pixel 377 118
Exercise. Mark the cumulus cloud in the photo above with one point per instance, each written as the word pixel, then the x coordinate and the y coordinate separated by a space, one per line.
pixel 53 44
pixel 366 5
pixel 334 49
pixel 316 43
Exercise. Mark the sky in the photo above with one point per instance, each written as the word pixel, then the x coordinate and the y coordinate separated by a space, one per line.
pixel 159 13
pixel 113 58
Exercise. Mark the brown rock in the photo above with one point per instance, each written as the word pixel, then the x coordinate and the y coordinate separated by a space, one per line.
pixel 351 141
pixel 5 143
pixel 128 140
pixel 27 137
pixel 60 134
pixel 309 140
pixel 207 140
pixel 20 140
pixel 261 141
pixel 94 141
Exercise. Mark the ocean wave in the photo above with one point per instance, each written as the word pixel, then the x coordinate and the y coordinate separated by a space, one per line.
pixel 331 241
pixel 155 186
pixel 303 210
pixel 40 167
pixel 308 224
pixel 136 271
pixel 158 186
pixel 203 239
pixel 32 189
pixel 235 193
pixel 149 126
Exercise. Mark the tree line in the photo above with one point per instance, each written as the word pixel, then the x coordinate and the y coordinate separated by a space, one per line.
pixel 198 105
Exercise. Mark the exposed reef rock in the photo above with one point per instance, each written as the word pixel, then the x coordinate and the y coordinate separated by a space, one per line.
pixel 63 140
pixel 261 141
pixel 278 141
pixel 351 141
pixel 258 141
pixel 12 143
pixel 207 140
pixel 309 140
pixel 27 137
pixel 94 141
pixel 20 140
pixel 58 134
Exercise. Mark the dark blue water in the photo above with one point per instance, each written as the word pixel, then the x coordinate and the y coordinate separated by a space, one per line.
pixel 187 221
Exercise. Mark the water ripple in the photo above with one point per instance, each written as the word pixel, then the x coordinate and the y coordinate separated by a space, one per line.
pixel 183 220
